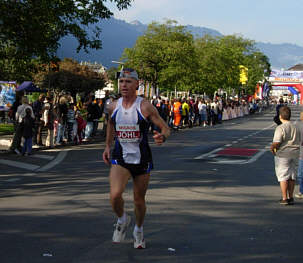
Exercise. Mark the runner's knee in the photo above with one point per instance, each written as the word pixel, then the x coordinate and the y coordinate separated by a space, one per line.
pixel 115 196
pixel 139 201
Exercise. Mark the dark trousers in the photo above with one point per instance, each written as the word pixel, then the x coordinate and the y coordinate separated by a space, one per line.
pixel 27 147
pixel 40 127
pixel 95 127
pixel 17 138
pixel 70 130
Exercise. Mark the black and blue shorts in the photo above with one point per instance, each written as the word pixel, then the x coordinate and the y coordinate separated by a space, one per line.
pixel 135 169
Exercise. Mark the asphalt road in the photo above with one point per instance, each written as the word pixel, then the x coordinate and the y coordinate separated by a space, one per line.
pixel 213 197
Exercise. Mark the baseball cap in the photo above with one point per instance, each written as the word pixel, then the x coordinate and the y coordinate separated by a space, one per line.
pixel 128 73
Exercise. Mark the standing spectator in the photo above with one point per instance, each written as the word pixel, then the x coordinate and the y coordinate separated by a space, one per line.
pixel 171 113
pixel 97 115
pixel 39 124
pixel 212 116
pixel 157 103
pixel 190 113
pixel 214 107
pixel 185 113
pixel 81 124
pixel 27 125
pixel 49 119
pixel 196 112
pixel 106 103
pixel 220 110
pixel 202 113
pixel 62 119
pixel 164 112
pixel 177 113
pixel 276 118
pixel 300 169
pixel 70 122
pixel 285 147
pixel 20 114
pixel 90 116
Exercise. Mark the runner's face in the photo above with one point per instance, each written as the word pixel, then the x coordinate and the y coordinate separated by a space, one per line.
pixel 128 86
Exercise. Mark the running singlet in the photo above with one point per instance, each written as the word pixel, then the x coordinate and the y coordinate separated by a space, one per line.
pixel 131 140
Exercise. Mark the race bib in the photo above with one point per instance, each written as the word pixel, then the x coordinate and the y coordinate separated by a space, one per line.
pixel 128 132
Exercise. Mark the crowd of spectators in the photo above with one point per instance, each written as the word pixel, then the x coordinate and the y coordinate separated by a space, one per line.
pixel 64 120
pixel 68 121
pixel 188 112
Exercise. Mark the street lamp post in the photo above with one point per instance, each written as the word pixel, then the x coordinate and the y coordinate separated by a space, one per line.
pixel 122 64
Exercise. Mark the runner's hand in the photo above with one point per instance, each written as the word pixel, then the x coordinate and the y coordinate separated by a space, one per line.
pixel 106 155
pixel 158 138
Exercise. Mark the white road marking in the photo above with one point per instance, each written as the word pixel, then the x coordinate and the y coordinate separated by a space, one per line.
pixel 208 154
pixel 12 180
pixel 22 165
pixel 60 157
pixel 251 160
pixel 32 167
pixel 41 156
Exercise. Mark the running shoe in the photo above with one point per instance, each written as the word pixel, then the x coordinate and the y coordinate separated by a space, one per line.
pixel 139 241
pixel 291 201
pixel 120 230
pixel 299 195
pixel 283 202
pixel 17 152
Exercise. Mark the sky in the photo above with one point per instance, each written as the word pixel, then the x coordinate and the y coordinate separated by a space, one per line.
pixel 274 21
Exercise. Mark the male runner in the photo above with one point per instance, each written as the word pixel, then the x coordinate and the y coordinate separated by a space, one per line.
pixel 129 123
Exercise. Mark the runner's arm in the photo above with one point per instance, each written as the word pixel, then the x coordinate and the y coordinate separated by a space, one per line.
pixel 109 135
pixel 152 113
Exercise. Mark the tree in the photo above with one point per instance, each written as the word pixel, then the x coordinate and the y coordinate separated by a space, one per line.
pixel 72 77
pixel 32 29
pixel 14 65
pixel 111 74
pixel 164 55
pixel 258 68
pixel 37 26
pixel 219 60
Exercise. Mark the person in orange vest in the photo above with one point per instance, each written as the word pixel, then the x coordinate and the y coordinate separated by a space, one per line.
pixel 177 112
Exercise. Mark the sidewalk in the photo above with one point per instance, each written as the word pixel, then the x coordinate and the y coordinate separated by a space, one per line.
pixel 6 140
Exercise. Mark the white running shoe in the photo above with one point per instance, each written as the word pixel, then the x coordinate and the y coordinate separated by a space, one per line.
pixel 139 241
pixel 120 230
pixel 299 195
pixel 17 151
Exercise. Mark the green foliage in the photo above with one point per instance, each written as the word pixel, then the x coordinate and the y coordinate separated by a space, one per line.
pixel 111 73
pixel 164 55
pixel 71 77
pixel 32 29
pixel 6 128
pixel 14 65
pixel 219 60
pixel 167 56
pixel 258 67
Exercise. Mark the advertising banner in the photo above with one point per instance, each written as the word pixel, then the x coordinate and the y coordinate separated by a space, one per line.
pixel 7 94
pixel 286 76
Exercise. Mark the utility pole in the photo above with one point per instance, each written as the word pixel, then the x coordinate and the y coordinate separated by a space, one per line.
pixel 120 63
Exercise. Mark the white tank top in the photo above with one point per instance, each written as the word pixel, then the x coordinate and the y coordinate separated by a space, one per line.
pixel 131 133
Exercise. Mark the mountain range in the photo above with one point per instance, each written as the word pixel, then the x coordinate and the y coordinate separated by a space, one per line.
pixel 118 34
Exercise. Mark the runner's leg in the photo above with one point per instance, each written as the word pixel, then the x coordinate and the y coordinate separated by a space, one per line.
pixel 140 188
pixel 118 179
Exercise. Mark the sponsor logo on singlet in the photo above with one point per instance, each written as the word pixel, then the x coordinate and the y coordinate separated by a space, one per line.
pixel 128 132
